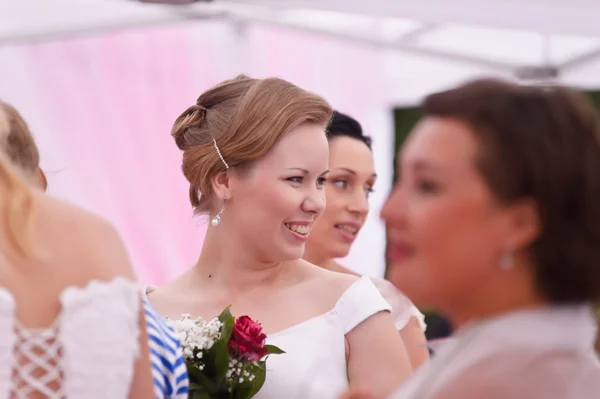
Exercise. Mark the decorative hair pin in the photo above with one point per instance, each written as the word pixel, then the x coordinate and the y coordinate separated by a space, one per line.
pixel 220 155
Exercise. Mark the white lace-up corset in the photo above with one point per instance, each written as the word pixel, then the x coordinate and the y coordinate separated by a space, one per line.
pixel 88 352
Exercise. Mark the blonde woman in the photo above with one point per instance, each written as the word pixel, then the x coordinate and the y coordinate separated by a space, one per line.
pixel 72 323
pixel 255 154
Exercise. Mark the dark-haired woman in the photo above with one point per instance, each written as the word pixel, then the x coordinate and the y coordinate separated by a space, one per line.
pixel 495 222
pixel 351 180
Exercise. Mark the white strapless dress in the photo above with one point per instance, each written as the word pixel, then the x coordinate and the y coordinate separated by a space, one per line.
pixel 314 365
pixel 89 352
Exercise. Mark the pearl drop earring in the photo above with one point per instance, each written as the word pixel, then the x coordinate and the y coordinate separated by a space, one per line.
pixel 217 219
pixel 507 260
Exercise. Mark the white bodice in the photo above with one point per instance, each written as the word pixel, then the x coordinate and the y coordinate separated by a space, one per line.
pixel 89 352
pixel 314 365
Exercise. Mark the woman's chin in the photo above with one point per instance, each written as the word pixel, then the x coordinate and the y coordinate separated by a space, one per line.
pixel 327 250
pixel 340 250
pixel 291 252
pixel 340 256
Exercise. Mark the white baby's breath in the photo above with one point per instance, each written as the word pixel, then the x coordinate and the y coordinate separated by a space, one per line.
pixel 196 335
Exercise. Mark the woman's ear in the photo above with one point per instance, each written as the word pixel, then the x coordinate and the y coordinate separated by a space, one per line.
pixel 525 225
pixel 221 184
pixel 41 179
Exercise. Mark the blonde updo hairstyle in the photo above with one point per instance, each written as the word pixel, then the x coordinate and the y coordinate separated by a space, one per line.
pixel 17 202
pixel 17 142
pixel 245 117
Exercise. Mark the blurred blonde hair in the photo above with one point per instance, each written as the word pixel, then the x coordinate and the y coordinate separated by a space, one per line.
pixel 17 204
pixel 18 143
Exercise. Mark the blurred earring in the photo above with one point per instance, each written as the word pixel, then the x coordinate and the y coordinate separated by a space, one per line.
pixel 507 260
pixel 217 219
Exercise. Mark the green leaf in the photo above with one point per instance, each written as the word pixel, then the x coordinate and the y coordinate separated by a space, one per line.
pixel 260 374
pixel 248 389
pixel 273 350
pixel 225 314
pixel 200 381
pixel 199 395
pixel 208 359
pixel 243 391
pixel 228 321
pixel 194 386
pixel 221 359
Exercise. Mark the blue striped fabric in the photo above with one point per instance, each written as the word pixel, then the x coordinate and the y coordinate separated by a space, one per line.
pixel 168 367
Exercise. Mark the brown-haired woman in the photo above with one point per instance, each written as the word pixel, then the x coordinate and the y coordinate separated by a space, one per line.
pixel 255 154
pixel 495 222
pixel 19 145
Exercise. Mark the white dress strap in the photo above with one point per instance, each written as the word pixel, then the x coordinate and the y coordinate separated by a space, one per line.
pixel 359 302
pixel 402 308
pixel 148 289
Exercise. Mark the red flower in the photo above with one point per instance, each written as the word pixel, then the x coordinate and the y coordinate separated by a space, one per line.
pixel 247 339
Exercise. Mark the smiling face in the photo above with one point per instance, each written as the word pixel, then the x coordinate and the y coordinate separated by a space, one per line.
pixel 446 231
pixel 275 203
pixel 351 180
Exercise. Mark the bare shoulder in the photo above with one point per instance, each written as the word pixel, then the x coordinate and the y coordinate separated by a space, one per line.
pixel 52 209
pixel 166 298
pixel 182 292
pixel 330 284
pixel 77 235
pixel 158 298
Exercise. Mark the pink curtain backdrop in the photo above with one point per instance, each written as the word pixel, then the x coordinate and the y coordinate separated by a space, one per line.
pixel 101 108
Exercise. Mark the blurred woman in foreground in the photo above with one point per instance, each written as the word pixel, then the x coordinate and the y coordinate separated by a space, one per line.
pixel 494 221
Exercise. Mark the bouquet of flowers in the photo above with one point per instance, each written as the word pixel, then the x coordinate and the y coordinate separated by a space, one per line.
pixel 225 357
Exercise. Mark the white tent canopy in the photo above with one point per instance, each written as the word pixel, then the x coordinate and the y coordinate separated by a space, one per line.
pixel 498 35
pixel 363 56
